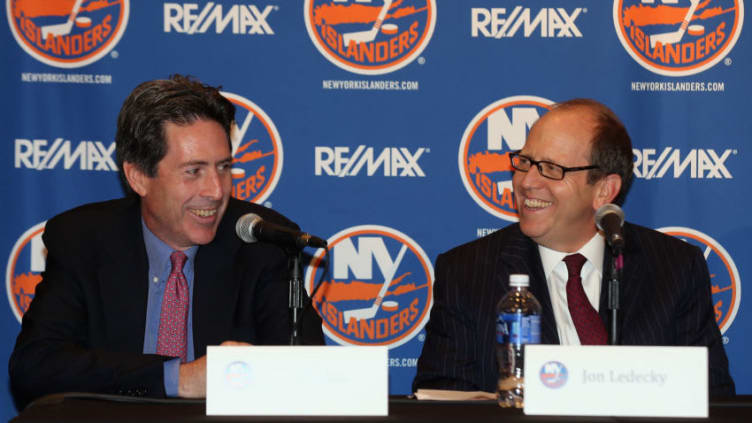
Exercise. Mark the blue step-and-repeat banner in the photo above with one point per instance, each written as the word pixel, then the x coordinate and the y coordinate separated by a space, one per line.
pixel 384 126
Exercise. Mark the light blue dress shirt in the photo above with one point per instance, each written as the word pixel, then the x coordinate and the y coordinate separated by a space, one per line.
pixel 159 270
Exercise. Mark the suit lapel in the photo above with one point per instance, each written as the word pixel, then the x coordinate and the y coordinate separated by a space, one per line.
pixel 633 275
pixel 123 278
pixel 520 255
pixel 603 309
pixel 215 289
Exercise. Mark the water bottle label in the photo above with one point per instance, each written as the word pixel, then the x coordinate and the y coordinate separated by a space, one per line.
pixel 518 329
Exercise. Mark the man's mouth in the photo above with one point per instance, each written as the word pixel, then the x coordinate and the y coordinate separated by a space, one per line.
pixel 534 203
pixel 203 212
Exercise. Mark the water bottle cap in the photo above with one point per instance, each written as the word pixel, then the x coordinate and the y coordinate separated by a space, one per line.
pixel 517 280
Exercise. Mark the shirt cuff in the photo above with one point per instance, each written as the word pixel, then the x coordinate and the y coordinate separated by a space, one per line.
pixel 171 376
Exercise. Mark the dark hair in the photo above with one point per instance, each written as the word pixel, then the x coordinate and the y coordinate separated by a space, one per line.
pixel 610 148
pixel 140 137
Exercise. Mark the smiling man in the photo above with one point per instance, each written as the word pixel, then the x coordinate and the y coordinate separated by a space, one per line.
pixel 577 158
pixel 135 289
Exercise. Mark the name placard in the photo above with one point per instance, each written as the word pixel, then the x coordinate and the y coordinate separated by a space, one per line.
pixel 297 381
pixel 616 381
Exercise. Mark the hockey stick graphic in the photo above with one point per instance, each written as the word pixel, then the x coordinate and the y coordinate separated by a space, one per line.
pixel 369 312
pixel 368 35
pixel 63 28
pixel 675 36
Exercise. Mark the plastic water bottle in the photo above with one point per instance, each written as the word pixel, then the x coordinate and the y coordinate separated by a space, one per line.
pixel 518 322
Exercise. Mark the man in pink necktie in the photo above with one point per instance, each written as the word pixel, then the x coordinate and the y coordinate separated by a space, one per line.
pixel 135 289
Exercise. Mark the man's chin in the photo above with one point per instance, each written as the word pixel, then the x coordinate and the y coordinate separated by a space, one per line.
pixel 203 237
pixel 531 229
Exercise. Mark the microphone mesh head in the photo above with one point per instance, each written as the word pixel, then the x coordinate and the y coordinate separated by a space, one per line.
pixel 608 209
pixel 244 227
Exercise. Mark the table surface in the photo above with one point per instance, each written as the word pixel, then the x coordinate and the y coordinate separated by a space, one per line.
pixel 100 408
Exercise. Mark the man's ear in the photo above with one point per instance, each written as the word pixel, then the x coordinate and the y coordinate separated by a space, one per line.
pixel 606 190
pixel 137 179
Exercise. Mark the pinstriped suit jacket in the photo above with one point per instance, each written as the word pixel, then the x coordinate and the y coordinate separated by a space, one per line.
pixel 665 300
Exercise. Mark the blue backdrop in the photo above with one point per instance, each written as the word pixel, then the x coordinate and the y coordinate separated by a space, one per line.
pixel 384 126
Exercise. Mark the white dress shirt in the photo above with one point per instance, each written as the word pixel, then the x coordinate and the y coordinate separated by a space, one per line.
pixel 556 277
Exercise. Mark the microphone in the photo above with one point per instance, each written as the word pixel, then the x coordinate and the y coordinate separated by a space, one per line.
pixel 252 228
pixel 610 218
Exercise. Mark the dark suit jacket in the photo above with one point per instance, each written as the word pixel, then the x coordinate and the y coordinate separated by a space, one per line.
pixel 665 300
pixel 84 329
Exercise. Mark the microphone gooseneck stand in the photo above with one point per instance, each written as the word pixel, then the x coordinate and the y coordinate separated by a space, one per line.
pixel 296 298
pixel 617 264
pixel 609 218
pixel 252 228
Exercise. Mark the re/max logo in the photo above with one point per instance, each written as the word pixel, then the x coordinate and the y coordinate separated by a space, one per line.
pixel 698 162
pixel 39 155
pixel 393 161
pixel 242 19
pixel 551 22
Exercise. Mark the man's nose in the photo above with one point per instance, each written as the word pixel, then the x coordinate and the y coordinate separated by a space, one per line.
pixel 532 178
pixel 212 185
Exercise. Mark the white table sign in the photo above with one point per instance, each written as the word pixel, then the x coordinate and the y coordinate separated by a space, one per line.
pixel 297 381
pixel 616 381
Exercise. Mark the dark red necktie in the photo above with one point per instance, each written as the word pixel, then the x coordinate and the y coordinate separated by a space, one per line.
pixel 586 320
pixel 173 320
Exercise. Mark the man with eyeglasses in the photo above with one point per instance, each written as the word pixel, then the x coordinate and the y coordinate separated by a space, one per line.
pixel 577 158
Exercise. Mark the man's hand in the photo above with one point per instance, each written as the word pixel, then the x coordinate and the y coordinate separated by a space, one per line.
pixel 192 376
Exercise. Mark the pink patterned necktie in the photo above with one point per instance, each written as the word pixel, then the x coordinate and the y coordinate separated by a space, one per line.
pixel 173 320
pixel 586 320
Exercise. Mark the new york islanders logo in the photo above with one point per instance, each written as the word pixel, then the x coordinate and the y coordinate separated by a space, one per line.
pixel 553 374
pixel 678 37
pixel 725 284
pixel 483 157
pixel 381 289
pixel 370 37
pixel 67 33
pixel 256 151
pixel 25 265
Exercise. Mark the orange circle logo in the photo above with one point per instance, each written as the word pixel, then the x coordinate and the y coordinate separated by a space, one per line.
pixel 67 33
pixel 370 37
pixel 256 151
pixel 678 37
pixel 381 289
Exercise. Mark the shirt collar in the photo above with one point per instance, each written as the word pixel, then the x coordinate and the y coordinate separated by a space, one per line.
pixel 159 252
pixel 593 251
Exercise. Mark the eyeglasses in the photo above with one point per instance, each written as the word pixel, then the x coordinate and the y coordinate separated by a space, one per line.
pixel 547 169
